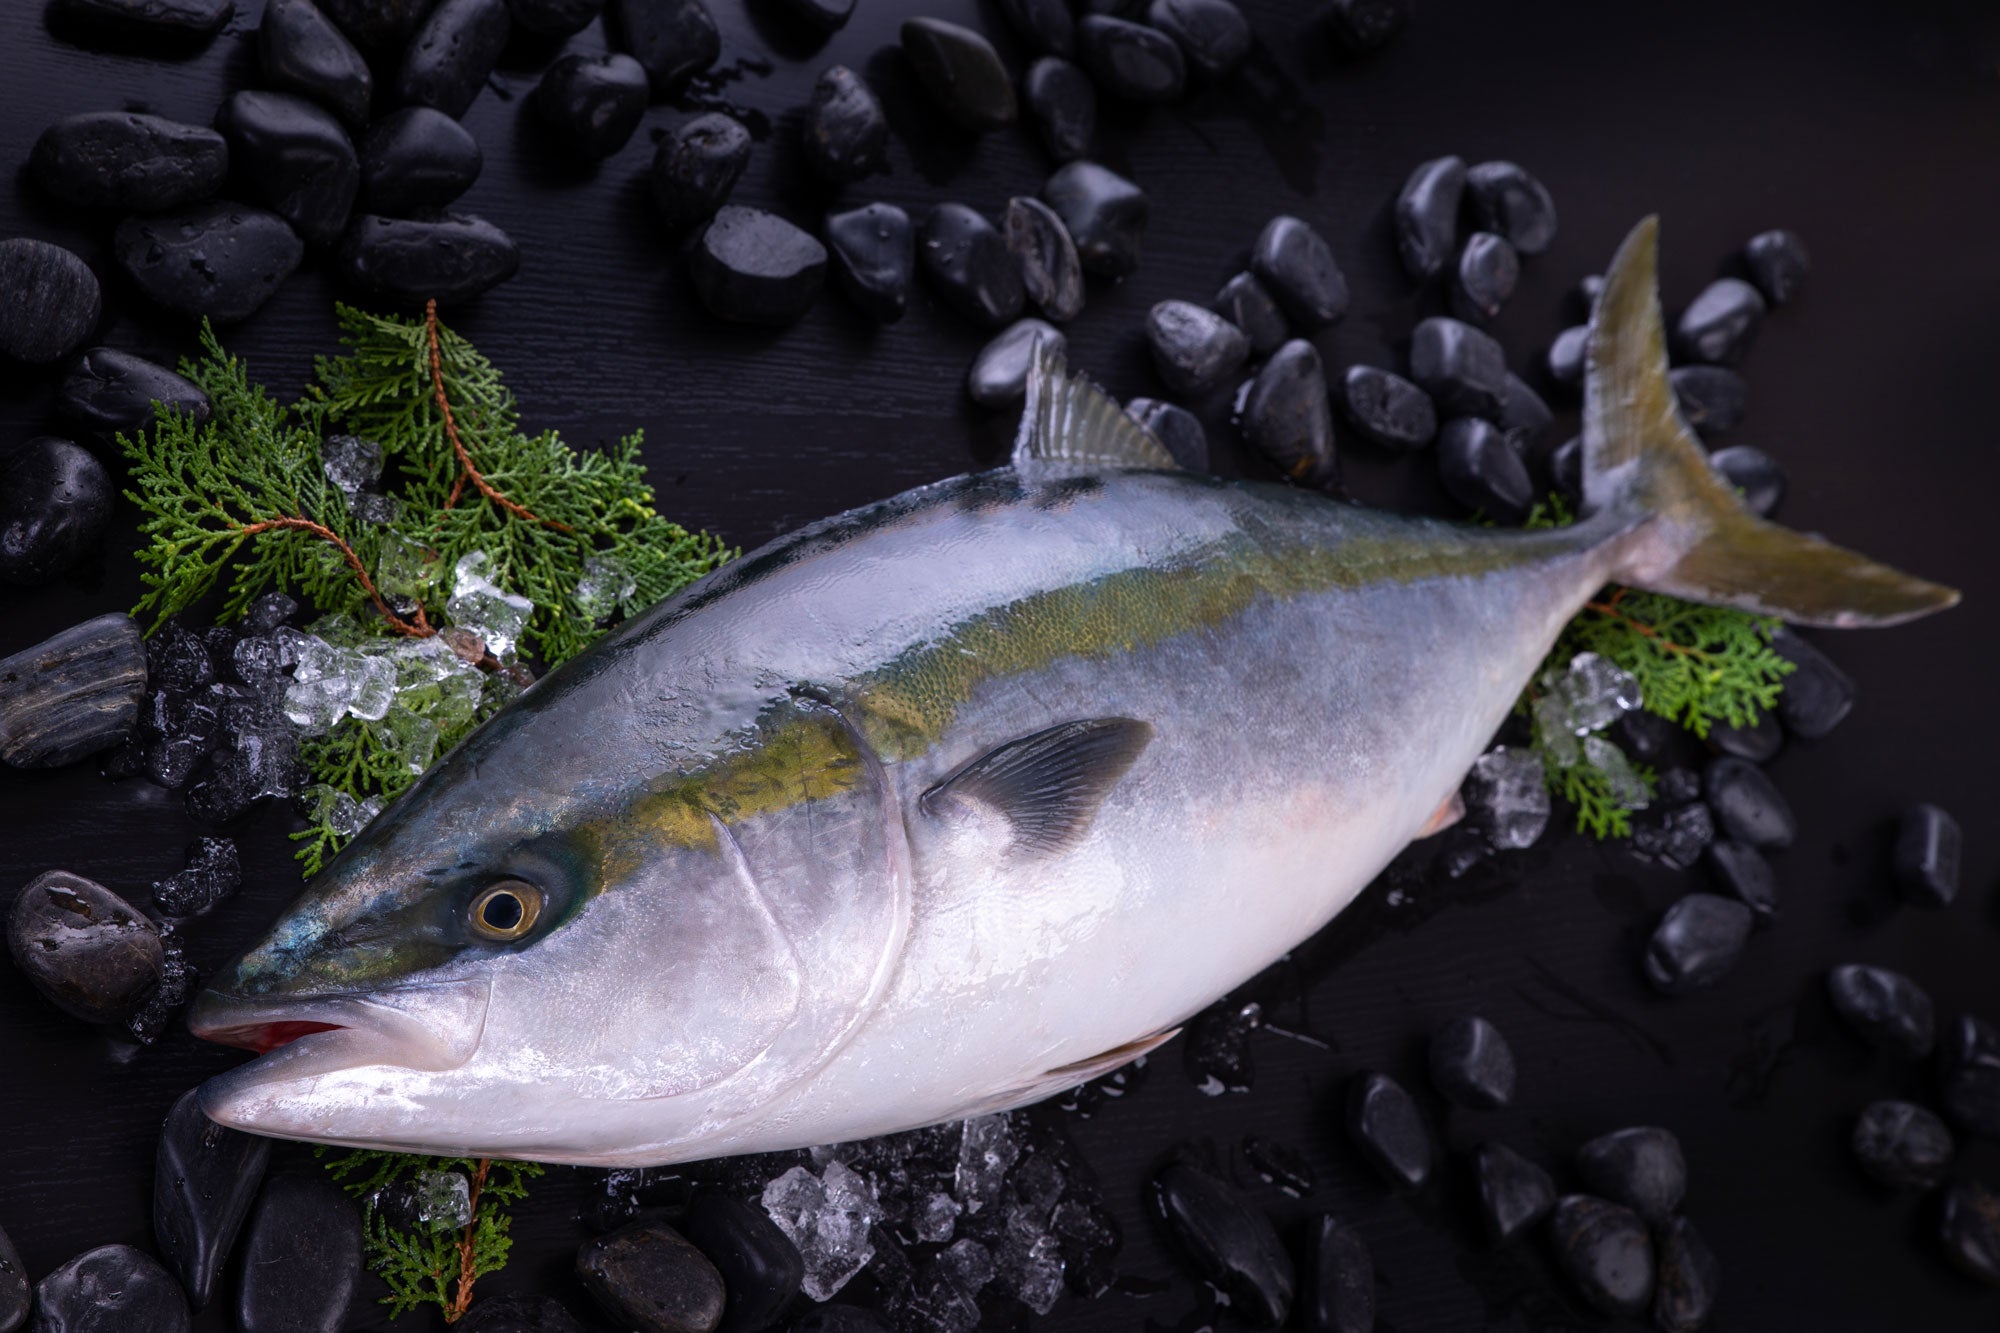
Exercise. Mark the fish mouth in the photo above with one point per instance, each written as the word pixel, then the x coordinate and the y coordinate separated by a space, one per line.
pixel 434 1026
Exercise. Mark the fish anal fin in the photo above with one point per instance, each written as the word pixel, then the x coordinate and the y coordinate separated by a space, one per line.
pixel 1442 818
pixel 1071 425
pixel 1064 1077
pixel 1048 786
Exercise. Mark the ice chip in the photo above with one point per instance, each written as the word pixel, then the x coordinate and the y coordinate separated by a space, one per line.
pixel 935 1218
pixel 350 462
pixel 480 605
pixel 985 1153
pixel 374 677
pixel 1675 836
pixel 968 1264
pixel 604 587
pixel 1553 726
pixel 413 738
pixel 372 508
pixel 1597 692
pixel 405 568
pixel 1506 798
pixel 1030 1264
pixel 315 705
pixel 1627 787
pixel 828 1218
pixel 443 1200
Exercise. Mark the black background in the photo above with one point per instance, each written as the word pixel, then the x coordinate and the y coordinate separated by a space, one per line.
pixel 1873 129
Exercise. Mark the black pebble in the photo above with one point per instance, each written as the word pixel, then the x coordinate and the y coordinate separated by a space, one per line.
pixel 49 301
pixel 1384 1123
pixel 1566 471
pixel 1506 199
pixel 554 18
pixel 674 39
pixel 217 261
pixel 300 50
pixel 1523 417
pixel 1883 1008
pixel 1720 324
pixel 1606 1251
pixel 1228 1241
pixel 998 376
pixel 55 499
pixel 1970 1229
pixel 1106 216
pixel 1778 264
pixel 1743 871
pixel 1755 473
pixel 1176 428
pixel 1338 1291
pixel 16 1296
pixel 1566 357
pixel 1387 409
pixel 874 255
pixel 1295 264
pixel 296 159
pixel 214 870
pixel 844 131
pixel 129 162
pixel 1697 942
pixel 1902 1145
pixel 1746 805
pixel 138 20
pixel 1194 349
pixel 301 1257
pixel 962 72
pixel 1286 415
pixel 1488 268
pixel 1249 305
pixel 1131 61
pixel 648 1275
pixel 453 54
pixel 111 1289
pixel 1051 270
pixel 1818 694
pixel 1460 367
pixel 1212 34
pixel 594 102
pixel 1641 1168
pixel 760 1268
pixel 452 257
pixel 517 1313
pixel 753 267
pixel 1047 25
pixel 204 1179
pixel 88 951
pixel 416 160
pixel 1427 216
pixel 1714 399
pixel 73 694
pixel 697 166
pixel 967 260
pixel 1361 26
pixel 1927 856
pixel 1482 471
pixel 1471 1063
pixel 1642 733
pixel 1063 102
pixel 1971 1084
pixel 1689 1279
pixel 1514 1193
pixel 1759 742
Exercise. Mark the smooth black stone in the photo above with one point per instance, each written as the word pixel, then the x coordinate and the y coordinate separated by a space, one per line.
pixel 1504 198
pixel 1194 349
pixel 845 130
pixel 697 166
pixel 1566 471
pixel 1286 415
pixel 172 20
pixel 967 261
pixel 647 1276
pixel 205 1178
pixel 517 1314
pixel 962 72
pixel 1426 216
pixel 1105 214
pixel 594 102
pixel 1969 1226
pixel 449 258
pixel 1523 417
pixel 295 157
pixel 1902 1145
pixel 1460 367
pixel 1778 264
pixel 73 694
pixel 55 499
pixel 760 1268
pixel 674 39
pixel 999 374
pixel 1566 357
pixel 301 1258
pixel 1130 61
pixel 1759 742
pixel 1046 25
pixel 16 1296
pixel 88 951
pixel 1883 1008
pixel 1295 264
pixel 416 160
pixel 1227 1241
pixel 1213 34
pixel 1641 1168
pixel 554 18
pixel 218 261
pixel 1713 399
pixel 300 50
pixel 378 26
pixel 1746 805
pixel 1753 472
pixel 1818 695
pixel 130 162
pixel 1721 322
pixel 1387 409
pixel 214 870
pixel 1689 1279
pixel 1482 471
pixel 1175 427
pixel 1361 26
pixel 49 301
pixel 453 54
pixel 874 255
pixel 1249 305
pixel 752 267
pixel 1384 1123
pixel 1488 269
pixel 1927 855
pixel 1643 734
pixel 1063 101
pixel 1743 871
pixel 1471 1063
pixel 1338 1291
pixel 111 1289
pixel 838 1319
pixel 1697 942
pixel 1051 270
pixel 1279 1164
pixel 1605 1250
pixel 1970 1093
pixel 1514 1193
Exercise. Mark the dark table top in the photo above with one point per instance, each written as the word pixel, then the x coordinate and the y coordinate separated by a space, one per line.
pixel 1873 129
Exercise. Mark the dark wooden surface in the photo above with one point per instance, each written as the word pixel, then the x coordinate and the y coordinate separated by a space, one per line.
pixel 1874 129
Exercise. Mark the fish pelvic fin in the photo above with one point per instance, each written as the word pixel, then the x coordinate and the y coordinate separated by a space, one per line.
pixel 1071 425
pixel 1692 537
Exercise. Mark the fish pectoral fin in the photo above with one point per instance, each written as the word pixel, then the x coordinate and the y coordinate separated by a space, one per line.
pixel 1064 1077
pixel 1047 786
pixel 1069 424
pixel 1444 816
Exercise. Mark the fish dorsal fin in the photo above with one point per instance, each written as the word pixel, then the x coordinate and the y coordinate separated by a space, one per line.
pixel 1047 786
pixel 1071 425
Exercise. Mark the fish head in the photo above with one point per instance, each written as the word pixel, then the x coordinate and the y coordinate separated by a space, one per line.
pixel 541 952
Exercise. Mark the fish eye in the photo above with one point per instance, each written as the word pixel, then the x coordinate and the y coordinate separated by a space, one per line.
pixel 506 910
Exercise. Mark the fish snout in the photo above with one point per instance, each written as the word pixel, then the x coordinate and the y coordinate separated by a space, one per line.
pixel 432 1026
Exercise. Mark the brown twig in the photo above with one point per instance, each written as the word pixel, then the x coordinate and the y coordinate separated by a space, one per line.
pixel 461 1292
pixel 467 471
pixel 1610 610
pixel 416 627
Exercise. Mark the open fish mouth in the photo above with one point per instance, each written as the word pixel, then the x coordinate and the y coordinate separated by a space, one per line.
pixel 434 1026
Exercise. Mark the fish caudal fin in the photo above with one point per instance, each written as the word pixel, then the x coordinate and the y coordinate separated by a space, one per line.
pixel 1693 537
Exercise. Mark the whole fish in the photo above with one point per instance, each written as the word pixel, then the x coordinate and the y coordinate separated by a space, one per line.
pixel 951 802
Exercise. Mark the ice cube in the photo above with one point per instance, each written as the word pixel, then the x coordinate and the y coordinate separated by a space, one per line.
pixel 1597 692
pixel 1030 1264
pixel 177 660
pixel 935 1217
pixel 252 763
pixel 1627 787
pixel 350 462
pixel 406 569
pixel 374 677
pixel 967 1263
pixel 933 1303
pixel 986 1151
pixel 1553 724
pixel 412 737
pixel 443 1200
pixel 177 986
pixel 1506 797
pixel 315 705
pixel 828 1218
pixel 257 660
pixel 214 871
pixel 604 587
pixel 1675 836
pixel 480 605
pixel 372 508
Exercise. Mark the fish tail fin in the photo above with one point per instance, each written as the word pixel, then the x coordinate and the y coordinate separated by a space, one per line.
pixel 1691 535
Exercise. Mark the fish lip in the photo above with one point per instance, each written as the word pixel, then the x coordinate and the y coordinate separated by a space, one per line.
pixel 434 1026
